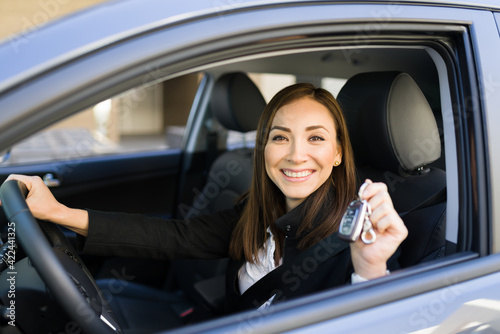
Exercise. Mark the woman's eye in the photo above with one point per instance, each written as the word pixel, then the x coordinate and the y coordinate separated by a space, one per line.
pixel 278 138
pixel 316 138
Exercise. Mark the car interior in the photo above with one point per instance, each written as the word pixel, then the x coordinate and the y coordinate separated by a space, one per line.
pixel 392 101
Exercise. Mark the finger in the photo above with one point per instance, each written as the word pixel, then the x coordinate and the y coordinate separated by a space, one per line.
pixel 29 181
pixel 373 188
pixel 381 198
pixel 23 178
pixel 383 224
pixel 392 224
pixel 380 211
pixel 32 182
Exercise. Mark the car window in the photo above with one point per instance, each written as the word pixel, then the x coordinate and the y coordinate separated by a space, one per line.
pixel 433 220
pixel 147 118
pixel 432 85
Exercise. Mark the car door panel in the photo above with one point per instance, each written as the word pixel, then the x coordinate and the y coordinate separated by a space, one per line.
pixel 459 305
pixel 145 182
pixel 451 309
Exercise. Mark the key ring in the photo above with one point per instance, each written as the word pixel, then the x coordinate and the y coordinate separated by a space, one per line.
pixel 368 235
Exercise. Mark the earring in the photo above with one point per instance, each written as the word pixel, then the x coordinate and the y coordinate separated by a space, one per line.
pixel 336 163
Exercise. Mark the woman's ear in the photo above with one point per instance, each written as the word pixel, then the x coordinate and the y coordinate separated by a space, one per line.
pixel 338 157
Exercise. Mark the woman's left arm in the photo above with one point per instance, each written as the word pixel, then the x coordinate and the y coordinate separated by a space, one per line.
pixel 370 260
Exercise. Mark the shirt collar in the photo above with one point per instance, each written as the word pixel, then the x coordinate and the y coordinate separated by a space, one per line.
pixel 289 223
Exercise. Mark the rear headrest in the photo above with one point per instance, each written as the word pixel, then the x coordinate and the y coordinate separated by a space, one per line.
pixel 391 124
pixel 236 102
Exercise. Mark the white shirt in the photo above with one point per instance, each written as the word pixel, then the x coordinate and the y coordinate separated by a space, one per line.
pixel 250 273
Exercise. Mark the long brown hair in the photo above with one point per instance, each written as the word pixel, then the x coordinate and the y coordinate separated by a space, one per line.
pixel 265 202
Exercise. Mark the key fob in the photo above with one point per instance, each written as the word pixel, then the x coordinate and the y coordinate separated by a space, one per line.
pixel 352 222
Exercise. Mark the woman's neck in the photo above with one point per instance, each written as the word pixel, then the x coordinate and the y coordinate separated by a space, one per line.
pixel 292 203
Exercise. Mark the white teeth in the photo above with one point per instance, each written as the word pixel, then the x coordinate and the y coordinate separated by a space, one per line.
pixel 299 174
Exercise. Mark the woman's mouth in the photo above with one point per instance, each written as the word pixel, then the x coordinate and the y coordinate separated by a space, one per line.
pixel 297 175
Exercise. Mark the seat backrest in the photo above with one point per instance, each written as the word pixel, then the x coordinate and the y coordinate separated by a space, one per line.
pixel 395 137
pixel 237 104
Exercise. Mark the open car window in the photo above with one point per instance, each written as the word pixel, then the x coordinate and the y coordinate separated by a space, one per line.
pixel 148 118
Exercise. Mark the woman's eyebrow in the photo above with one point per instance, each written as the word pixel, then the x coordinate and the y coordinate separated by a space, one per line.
pixel 282 128
pixel 315 127
pixel 309 128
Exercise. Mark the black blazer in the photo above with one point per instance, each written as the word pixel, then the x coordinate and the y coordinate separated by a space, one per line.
pixel 324 265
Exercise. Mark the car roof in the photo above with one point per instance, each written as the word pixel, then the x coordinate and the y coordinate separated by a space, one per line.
pixel 37 49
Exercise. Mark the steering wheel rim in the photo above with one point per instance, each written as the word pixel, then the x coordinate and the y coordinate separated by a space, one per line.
pixel 58 277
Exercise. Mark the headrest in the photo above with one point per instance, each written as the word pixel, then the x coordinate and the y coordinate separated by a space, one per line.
pixel 236 102
pixel 390 122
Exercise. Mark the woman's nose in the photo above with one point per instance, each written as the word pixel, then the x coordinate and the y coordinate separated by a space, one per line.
pixel 297 153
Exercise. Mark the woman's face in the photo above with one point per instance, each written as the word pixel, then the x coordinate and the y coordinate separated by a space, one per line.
pixel 301 149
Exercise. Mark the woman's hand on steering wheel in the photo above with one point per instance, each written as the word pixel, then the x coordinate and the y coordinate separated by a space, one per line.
pixel 44 206
pixel 40 200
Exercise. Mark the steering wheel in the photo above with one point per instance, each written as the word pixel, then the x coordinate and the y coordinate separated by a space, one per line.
pixel 58 264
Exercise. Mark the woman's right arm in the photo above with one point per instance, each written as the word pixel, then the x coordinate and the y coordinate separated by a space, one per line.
pixel 132 235
pixel 44 206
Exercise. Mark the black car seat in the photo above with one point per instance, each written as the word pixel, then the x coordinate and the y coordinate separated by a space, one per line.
pixel 237 103
pixel 395 138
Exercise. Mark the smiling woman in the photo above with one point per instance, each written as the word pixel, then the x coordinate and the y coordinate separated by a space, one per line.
pixel 283 142
pixel 300 156
pixel 303 168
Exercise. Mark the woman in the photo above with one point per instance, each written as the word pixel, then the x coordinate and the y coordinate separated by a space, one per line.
pixel 281 236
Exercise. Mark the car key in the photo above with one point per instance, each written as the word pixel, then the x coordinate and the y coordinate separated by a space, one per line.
pixel 353 220
pixel 356 221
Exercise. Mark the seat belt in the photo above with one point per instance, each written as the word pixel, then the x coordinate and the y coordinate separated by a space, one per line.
pixel 264 288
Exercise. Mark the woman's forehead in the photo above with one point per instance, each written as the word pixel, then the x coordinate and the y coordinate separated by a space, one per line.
pixel 303 112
